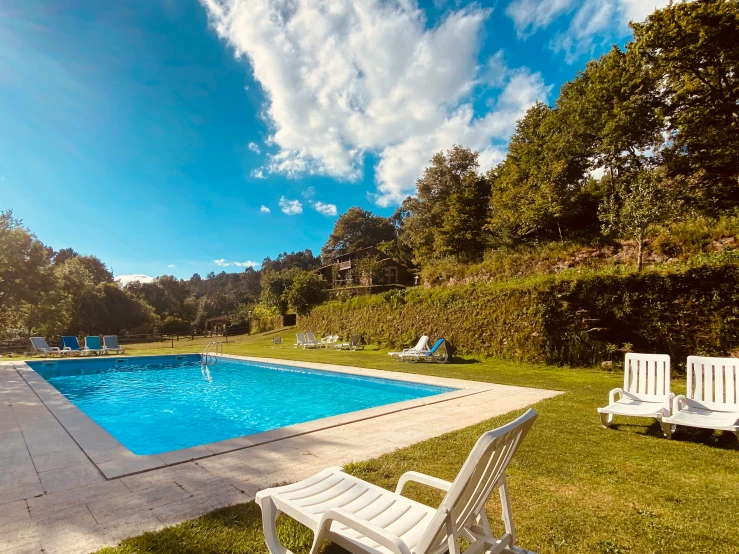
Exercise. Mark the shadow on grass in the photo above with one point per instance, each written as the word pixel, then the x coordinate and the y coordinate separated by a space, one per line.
pixel 717 439
pixel 236 530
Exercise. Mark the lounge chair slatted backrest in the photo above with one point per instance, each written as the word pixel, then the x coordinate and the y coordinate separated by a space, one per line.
pixel 311 338
pixel 647 376
pixel 435 347
pixel 71 343
pixel 110 342
pixel 300 339
pixel 93 343
pixel 713 383
pixel 481 473
pixel 39 345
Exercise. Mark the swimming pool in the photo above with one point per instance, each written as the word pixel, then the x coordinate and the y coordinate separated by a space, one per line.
pixel 156 404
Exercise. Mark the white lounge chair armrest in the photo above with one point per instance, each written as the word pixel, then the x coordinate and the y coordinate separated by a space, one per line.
pixel 367 528
pixel 613 393
pixel 668 402
pixel 678 402
pixel 423 479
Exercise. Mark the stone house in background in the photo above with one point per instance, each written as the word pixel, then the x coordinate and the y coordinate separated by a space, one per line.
pixel 342 271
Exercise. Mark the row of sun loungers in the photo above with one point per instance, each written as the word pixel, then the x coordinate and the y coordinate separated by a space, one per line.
pixel 70 346
pixel 710 402
pixel 308 340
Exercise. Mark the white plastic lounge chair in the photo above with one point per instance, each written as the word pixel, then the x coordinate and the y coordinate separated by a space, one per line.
pixel 37 345
pixel 304 341
pixel 328 341
pixel 366 519
pixel 311 341
pixel 712 400
pixel 110 343
pixel 436 354
pixel 421 346
pixel 300 340
pixel 646 391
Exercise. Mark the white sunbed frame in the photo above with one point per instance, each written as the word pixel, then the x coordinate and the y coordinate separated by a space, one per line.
pixel 646 391
pixel 712 399
pixel 44 349
pixel 367 519
pixel 304 341
pixel 421 346
pixel 118 349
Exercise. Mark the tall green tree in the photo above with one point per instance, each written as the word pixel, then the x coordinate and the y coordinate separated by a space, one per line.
pixel 531 194
pixel 446 217
pixel 30 298
pixel 691 50
pixel 355 229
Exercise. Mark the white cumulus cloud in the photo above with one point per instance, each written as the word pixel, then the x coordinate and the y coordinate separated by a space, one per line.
pixel 258 173
pixel 325 209
pixel 171 266
pixel 290 207
pixel 264 209
pixel 593 21
pixel 125 279
pixel 346 78
pixel 225 263
pixel 254 147
pixel 531 15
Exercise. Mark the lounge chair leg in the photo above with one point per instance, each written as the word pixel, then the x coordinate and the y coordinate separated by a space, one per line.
pixel 506 508
pixel 667 429
pixel 606 420
pixel 269 524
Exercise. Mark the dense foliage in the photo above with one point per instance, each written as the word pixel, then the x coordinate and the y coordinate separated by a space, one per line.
pixel 564 320
pixel 640 132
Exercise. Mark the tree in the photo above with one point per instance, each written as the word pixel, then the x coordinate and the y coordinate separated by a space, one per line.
pixel 367 270
pixel 307 290
pixel 690 49
pixel 173 325
pixel 447 216
pixel 301 260
pixel 356 229
pixel 529 195
pixel 634 209
pixel 30 299
pixel 275 285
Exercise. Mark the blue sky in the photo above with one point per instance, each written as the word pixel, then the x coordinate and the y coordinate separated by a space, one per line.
pixel 177 136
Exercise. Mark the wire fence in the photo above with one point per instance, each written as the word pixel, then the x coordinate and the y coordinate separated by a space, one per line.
pixel 20 346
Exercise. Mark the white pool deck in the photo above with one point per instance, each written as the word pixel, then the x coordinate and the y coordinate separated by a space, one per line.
pixel 67 486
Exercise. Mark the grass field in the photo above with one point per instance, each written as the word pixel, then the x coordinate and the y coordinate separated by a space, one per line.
pixel 575 486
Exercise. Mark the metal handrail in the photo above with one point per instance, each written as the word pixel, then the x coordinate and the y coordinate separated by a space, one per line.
pixel 212 349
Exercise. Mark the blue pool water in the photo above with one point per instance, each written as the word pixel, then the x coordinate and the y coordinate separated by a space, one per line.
pixel 156 404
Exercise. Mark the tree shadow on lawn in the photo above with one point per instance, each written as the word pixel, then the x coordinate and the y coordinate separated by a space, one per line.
pixel 709 437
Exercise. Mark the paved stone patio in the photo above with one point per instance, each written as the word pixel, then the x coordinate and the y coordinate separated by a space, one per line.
pixel 59 492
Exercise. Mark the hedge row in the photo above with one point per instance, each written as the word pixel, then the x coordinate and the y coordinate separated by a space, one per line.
pixel 575 321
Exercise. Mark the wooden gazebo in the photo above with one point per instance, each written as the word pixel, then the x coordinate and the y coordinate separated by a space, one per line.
pixel 215 326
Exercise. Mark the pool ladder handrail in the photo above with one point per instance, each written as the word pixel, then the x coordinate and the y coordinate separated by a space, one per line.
pixel 213 349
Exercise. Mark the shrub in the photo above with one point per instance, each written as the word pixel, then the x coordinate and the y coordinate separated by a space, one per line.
pixel 563 320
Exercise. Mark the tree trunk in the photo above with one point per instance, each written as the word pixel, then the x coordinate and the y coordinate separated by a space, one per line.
pixel 640 254
pixel 559 228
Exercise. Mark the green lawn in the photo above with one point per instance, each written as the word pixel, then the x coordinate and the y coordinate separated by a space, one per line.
pixel 575 486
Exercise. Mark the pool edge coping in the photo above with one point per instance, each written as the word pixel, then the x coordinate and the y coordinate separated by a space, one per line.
pixel 114 460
